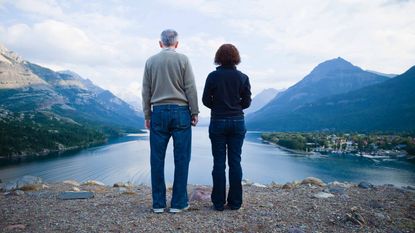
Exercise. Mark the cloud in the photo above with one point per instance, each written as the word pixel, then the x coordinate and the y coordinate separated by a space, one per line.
pixel 280 41
pixel 54 40
pixel 48 8
pixel 211 8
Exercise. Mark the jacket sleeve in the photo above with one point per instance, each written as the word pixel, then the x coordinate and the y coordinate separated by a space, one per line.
pixel 207 97
pixel 246 94
pixel 146 93
pixel 190 88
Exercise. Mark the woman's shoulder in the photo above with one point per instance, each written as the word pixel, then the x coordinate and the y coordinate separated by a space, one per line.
pixel 242 75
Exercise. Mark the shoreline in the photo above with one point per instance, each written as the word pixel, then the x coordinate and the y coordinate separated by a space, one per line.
pixel 27 155
pixel 290 150
pixel 48 152
pixel 359 154
pixel 303 206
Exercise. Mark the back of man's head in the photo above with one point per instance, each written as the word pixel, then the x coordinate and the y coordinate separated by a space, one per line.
pixel 168 37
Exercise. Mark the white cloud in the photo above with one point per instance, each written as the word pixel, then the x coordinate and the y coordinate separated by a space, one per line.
pixel 205 6
pixel 280 41
pixel 48 8
pixel 56 41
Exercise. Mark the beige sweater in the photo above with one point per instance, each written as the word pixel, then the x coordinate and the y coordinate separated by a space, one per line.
pixel 168 79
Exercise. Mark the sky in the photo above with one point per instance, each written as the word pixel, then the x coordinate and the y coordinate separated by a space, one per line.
pixel 280 42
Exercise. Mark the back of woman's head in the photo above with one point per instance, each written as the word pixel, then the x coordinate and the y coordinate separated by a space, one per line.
pixel 227 55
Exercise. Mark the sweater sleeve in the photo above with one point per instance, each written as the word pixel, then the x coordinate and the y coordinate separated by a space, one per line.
pixel 246 94
pixel 190 89
pixel 207 97
pixel 146 93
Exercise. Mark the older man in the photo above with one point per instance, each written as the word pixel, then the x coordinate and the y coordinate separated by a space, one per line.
pixel 170 108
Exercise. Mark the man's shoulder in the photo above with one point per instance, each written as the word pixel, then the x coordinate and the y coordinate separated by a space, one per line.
pixel 182 56
pixel 160 55
pixel 152 58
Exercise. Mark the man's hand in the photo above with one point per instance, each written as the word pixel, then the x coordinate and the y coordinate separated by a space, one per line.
pixel 147 124
pixel 195 119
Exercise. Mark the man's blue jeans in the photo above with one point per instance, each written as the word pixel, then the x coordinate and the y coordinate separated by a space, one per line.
pixel 170 121
pixel 227 136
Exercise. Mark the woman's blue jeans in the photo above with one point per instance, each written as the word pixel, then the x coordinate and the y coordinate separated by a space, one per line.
pixel 170 121
pixel 227 136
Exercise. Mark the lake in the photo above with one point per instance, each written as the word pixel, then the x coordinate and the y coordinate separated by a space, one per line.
pixel 127 159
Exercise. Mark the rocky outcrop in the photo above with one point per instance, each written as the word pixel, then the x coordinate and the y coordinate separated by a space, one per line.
pixel 25 183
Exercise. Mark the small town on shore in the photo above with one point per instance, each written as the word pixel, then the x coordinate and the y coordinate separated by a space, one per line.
pixel 365 145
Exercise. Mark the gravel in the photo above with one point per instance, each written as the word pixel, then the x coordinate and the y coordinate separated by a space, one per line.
pixel 266 209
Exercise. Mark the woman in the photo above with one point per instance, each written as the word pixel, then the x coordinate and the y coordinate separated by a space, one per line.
pixel 227 92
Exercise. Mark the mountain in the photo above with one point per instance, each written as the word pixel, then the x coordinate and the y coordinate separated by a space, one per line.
pixel 87 101
pixel 261 99
pixel 387 106
pixel 329 78
pixel 36 102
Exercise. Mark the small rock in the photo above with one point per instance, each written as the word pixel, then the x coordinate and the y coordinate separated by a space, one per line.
pixel 268 205
pixel 295 230
pixel 288 186
pixel 121 189
pixel 122 184
pixel 76 195
pixel 9 186
pixel 381 216
pixel 28 181
pixel 24 183
pixel 16 227
pixel 72 182
pixel 259 185
pixel 338 190
pixel 322 195
pixel 365 185
pixel 200 194
pixel 75 189
pixel 246 182
pixel 93 183
pixel 313 181
pixel 291 185
pixel 119 184
pixel 375 204
pixel 18 192
pixel 275 185
pixel 339 184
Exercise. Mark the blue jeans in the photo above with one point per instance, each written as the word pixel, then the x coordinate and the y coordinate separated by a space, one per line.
pixel 227 136
pixel 170 121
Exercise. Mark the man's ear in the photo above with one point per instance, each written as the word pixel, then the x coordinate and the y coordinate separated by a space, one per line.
pixel 161 44
pixel 177 44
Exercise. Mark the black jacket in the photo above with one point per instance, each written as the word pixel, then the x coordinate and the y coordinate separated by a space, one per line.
pixel 227 92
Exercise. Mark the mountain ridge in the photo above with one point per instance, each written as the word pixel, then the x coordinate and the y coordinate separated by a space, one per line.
pixel 330 77
pixel 386 106
pixel 55 111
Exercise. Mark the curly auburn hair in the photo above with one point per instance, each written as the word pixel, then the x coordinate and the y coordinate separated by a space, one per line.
pixel 227 54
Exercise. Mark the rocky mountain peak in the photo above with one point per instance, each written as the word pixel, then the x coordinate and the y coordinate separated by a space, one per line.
pixel 8 56
pixel 333 68
pixel 335 64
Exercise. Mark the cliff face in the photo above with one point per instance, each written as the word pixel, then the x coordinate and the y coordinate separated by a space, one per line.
pixel 53 111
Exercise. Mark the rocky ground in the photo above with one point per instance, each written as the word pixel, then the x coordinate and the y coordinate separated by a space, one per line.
pixel 303 206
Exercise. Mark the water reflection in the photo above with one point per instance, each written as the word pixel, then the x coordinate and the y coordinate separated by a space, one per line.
pixel 127 159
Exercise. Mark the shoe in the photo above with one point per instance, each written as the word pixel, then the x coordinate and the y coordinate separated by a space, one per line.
pixel 234 207
pixel 218 208
pixel 158 210
pixel 175 210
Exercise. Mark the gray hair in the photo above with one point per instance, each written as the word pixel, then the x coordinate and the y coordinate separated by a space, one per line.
pixel 168 37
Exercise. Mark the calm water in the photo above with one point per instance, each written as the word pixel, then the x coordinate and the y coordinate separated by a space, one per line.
pixel 127 159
